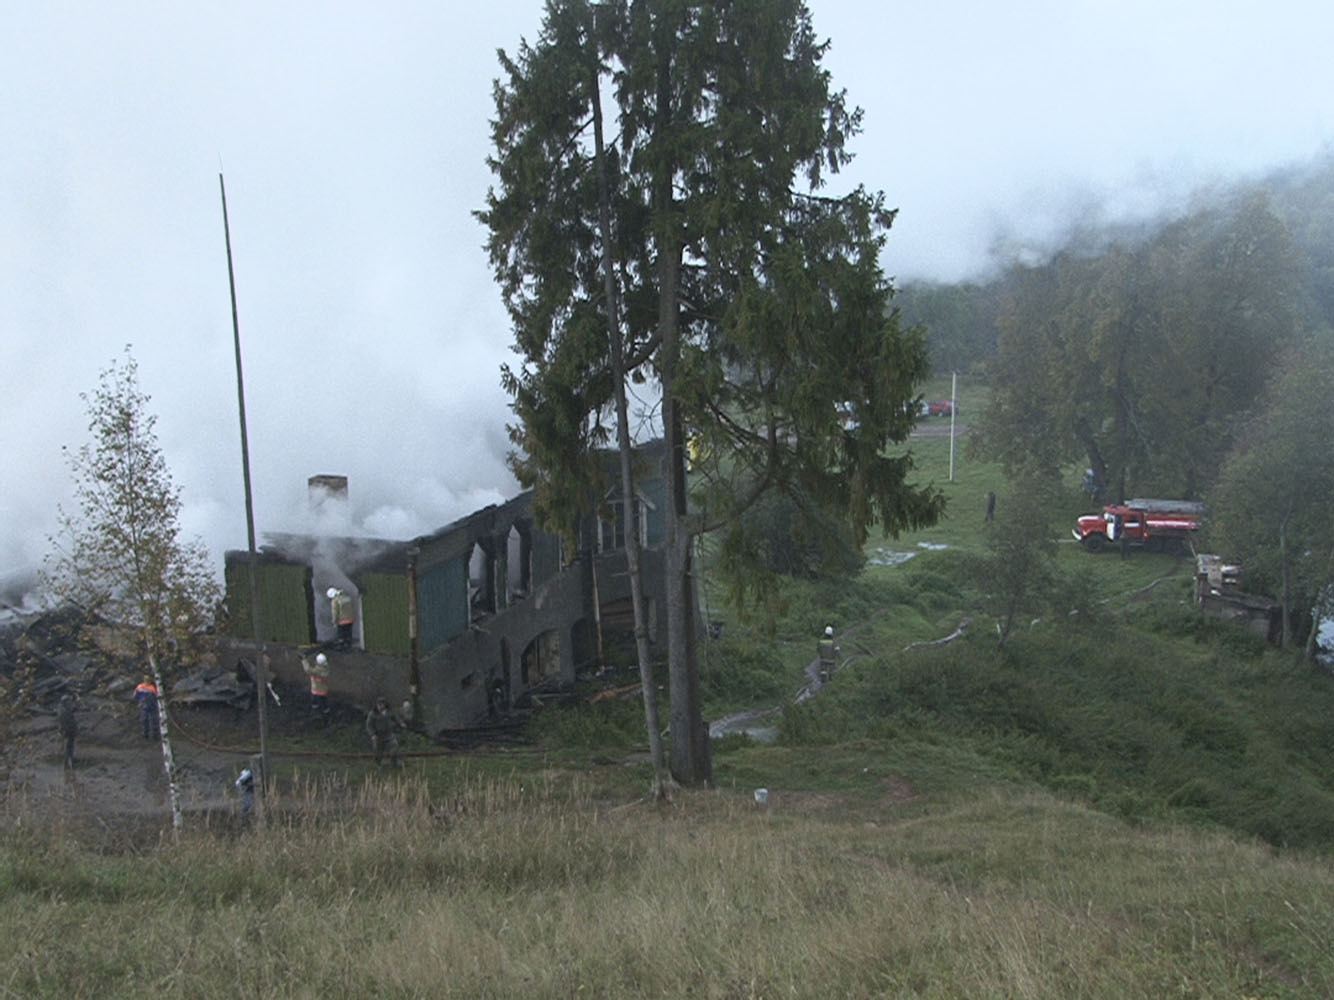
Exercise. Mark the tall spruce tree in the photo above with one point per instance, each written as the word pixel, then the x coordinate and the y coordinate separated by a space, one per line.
pixel 750 299
pixel 120 556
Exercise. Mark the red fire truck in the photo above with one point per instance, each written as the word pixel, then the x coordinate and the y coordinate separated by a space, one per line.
pixel 1157 525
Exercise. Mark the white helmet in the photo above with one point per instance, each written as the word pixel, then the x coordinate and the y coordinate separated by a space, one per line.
pixel 321 659
pixel 829 630
pixel 331 593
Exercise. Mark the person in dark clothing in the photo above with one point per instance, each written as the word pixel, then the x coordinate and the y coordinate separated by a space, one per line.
pixel 245 684
pixel 68 726
pixel 380 727
pixel 497 698
pixel 245 784
pixel 146 695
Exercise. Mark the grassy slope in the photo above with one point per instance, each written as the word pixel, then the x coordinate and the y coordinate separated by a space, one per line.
pixel 445 883
pixel 1135 705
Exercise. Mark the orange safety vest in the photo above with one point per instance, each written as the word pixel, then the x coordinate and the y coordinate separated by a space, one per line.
pixel 342 610
pixel 319 682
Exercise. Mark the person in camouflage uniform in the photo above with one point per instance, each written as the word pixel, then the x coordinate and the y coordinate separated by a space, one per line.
pixel 68 726
pixel 381 727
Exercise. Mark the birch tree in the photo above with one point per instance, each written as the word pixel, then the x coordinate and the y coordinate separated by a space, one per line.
pixel 119 554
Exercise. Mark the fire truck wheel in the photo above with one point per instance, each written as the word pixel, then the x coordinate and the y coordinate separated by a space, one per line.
pixel 1094 542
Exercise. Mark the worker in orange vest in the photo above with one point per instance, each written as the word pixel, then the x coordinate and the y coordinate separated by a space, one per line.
pixel 146 695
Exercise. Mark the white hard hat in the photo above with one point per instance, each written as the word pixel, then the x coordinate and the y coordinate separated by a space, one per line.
pixel 829 630
pixel 331 593
pixel 321 659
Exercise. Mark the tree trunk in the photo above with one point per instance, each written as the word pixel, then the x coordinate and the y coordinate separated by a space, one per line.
pixel 1286 597
pixel 662 779
pixel 690 764
pixel 168 757
pixel 689 737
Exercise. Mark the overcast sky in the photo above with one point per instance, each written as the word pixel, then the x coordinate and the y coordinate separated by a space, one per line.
pixel 353 137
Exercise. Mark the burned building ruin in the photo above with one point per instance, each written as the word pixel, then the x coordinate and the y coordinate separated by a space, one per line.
pixel 463 623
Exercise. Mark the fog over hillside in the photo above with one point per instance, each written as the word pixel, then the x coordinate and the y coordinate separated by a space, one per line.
pixel 353 139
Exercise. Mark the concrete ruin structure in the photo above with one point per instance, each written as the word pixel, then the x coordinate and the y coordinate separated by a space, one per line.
pixel 1218 593
pixel 462 623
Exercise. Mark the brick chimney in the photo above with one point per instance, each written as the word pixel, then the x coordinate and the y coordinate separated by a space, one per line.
pixel 322 490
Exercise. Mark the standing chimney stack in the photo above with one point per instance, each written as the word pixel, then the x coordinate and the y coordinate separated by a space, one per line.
pixel 322 490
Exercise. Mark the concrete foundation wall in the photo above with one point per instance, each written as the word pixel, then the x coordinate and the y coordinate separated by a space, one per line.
pixel 355 677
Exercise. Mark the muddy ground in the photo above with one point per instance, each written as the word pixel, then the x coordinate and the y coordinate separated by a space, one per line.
pixel 118 784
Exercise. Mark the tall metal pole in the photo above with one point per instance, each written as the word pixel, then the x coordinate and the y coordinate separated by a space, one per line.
pixel 261 657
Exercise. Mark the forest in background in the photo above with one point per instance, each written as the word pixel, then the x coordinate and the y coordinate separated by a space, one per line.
pixel 1190 357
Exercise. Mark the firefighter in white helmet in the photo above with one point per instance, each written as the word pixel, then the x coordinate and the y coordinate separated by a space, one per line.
pixel 342 611
pixel 318 672
pixel 828 651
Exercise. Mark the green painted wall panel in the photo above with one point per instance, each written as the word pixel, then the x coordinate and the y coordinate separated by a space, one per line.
pixel 286 612
pixel 384 611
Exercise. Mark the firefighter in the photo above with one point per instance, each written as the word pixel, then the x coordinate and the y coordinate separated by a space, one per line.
pixel 68 726
pixel 342 612
pixel 146 695
pixel 828 654
pixel 380 727
pixel 318 672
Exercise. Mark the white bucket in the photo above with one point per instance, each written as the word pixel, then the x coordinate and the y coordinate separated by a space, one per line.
pixel 761 796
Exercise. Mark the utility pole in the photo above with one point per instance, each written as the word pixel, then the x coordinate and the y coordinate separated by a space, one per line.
pixel 954 410
pixel 261 656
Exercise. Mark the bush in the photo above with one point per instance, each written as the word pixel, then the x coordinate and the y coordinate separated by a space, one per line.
pixel 1186 620
pixel 591 726
pixel 739 672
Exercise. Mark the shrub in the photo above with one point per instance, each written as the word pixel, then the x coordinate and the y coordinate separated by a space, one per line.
pixel 1186 620
pixel 740 671
pixel 601 724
